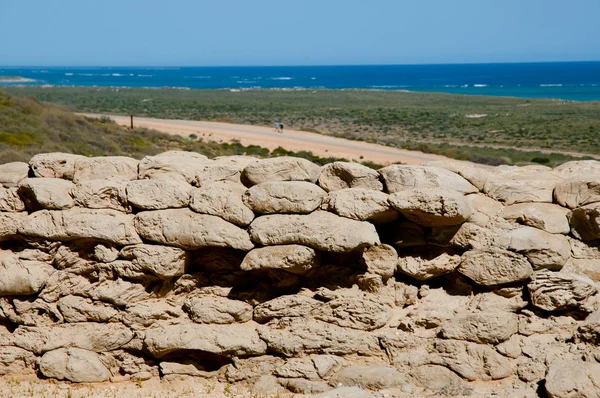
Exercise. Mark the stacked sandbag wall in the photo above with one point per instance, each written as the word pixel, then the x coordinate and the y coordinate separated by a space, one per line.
pixel 448 278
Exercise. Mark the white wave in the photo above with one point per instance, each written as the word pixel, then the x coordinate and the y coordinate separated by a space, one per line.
pixel 68 74
pixel 480 85
pixel 550 85
pixel 117 74
pixel 197 77
pixel 313 78
pixel 465 85
pixel 246 81
pixel 86 74
pixel 401 86
pixel 145 75
pixel 281 78
pixel 449 85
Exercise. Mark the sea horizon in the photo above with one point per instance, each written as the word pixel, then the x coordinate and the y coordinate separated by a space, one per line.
pixel 570 80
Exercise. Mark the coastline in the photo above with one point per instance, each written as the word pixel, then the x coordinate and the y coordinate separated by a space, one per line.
pixel 16 79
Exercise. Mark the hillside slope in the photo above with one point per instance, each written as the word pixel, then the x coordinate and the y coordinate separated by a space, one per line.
pixel 28 127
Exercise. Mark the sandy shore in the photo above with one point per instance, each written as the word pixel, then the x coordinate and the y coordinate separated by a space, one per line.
pixel 318 144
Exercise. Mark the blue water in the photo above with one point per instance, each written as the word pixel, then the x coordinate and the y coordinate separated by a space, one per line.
pixel 564 80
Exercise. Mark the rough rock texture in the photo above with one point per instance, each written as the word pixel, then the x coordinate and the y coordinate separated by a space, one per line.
pixel 319 230
pixel 283 168
pixel 158 194
pixel 574 379
pixel 105 167
pixel 495 267
pixel 284 197
pixel 432 207
pixel 188 230
pixel 46 193
pixel 401 177
pixel 578 191
pixel 340 175
pixel 362 205
pixel 548 217
pixel 296 259
pixel 465 281
pixel 223 200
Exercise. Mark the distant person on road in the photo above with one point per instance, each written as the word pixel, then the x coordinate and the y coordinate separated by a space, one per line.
pixel 277 126
pixel 281 128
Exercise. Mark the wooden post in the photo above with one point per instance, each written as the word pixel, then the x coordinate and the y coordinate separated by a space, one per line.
pixel 131 121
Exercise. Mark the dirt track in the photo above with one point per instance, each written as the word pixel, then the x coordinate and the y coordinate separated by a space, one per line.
pixel 321 145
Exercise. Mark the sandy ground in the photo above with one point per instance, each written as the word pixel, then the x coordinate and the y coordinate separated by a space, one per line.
pixel 321 145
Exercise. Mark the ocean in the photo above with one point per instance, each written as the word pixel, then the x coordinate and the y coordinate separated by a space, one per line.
pixel 577 81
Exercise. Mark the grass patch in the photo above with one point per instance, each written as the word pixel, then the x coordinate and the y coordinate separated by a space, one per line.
pixel 437 122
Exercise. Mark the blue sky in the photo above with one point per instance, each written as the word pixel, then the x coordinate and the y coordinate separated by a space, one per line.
pixel 296 32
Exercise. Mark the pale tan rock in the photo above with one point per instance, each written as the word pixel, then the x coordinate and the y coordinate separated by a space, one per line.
pixel 76 223
pixel 577 168
pixel 430 266
pixel 484 205
pixel 223 168
pixel 164 262
pixel 80 309
pixel 545 216
pixel 10 201
pixel 399 178
pixel 303 386
pixel 361 204
pixel 495 267
pixel 105 253
pixel 573 379
pixel 282 168
pixel 481 327
pixel 432 207
pixel 542 249
pixel 224 201
pixel 341 175
pixel 466 236
pixel 21 277
pixel 356 311
pixel 54 165
pixel 296 259
pixel 145 313
pixel 578 191
pixel 46 193
pixel 285 307
pixel 585 222
pixel 284 197
pixel 189 230
pixel 371 377
pixel 107 193
pixel 314 337
pixel 73 364
pixel 381 260
pixel 12 173
pixel 345 392
pixel 63 283
pixel 92 336
pixel 179 165
pixel 589 330
pixel 118 292
pixel 319 230
pixel 585 267
pixel 16 361
pixel 217 310
pixel 554 291
pixel 158 194
pixel 9 225
pixel 104 167
pixel 472 361
pixel 522 185
pixel 510 348
pixel 227 340
pixel 475 174
pixel 440 379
